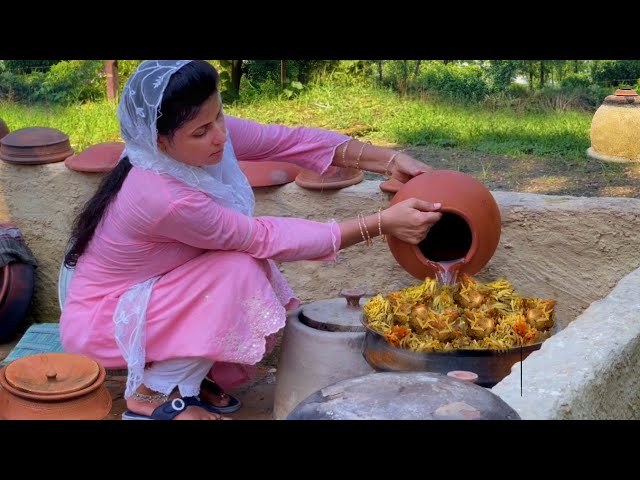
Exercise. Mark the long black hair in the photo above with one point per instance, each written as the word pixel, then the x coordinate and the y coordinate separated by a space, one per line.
pixel 185 93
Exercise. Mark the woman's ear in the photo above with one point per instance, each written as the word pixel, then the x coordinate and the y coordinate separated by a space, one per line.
pixel 162 146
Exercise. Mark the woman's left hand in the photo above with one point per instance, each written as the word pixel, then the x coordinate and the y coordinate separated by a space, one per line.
pixel 404 167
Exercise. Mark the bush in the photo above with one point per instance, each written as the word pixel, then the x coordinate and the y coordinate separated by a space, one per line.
pixel 614 73
pixel 28 66
pixel 73 81
pixel 125 70
pixel 17 87
pixel 304 71
pixel 500 74
pixel 575 81
pixel 251 91
pixel 518 90
pixel 520 99
pixel 454 81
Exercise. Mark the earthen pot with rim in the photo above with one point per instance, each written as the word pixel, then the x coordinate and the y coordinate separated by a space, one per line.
pixel 35 146
pixel 615 128
pixel 54 386
pixel 469 229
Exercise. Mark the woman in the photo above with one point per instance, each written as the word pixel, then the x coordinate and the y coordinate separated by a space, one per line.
pixel 174 277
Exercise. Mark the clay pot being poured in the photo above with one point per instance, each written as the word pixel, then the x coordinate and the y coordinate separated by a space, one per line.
pixel 467 234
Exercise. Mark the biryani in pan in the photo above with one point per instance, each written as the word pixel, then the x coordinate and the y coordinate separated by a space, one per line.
pixel 469 315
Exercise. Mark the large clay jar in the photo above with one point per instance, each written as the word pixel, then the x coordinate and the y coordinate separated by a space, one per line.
pixel 469 228
pixel 54 386
pixel 615 128
pixel 35 146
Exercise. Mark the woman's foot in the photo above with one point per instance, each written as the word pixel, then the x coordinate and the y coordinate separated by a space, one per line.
pixel 215 399
pixel 144 401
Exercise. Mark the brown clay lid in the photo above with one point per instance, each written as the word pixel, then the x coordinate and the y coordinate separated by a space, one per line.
pixel 267 174
pixel 333 178
pixel 35 146
pixel 336 314
pixel 52 375
pixel 4 130
pixel 102 157
pixel 623 96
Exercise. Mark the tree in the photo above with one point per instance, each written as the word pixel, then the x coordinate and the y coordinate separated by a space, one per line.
pixel 111 71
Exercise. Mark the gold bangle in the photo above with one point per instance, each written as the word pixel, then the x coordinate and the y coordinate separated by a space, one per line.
pixel 364 239
pixel 344 152
pixel 367 239
pixel 364 222
pixel 386 169
pixel 384 237
pixel 357 167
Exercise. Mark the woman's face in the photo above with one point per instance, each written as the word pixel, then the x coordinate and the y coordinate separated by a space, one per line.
pixel 200 141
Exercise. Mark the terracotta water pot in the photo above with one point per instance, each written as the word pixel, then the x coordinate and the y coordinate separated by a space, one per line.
pixel 54 386
pixel 469 228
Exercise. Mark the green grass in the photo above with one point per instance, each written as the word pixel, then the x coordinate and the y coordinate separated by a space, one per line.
pixel 383 116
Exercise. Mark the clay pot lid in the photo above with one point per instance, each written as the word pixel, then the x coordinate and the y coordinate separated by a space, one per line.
pixel 35 145
pixel 52 375
pixel 268 174
pixel 333 178
pixel 99 158
pixel 403 396
pixel 623 96
pixel 336 314
pixel 35 137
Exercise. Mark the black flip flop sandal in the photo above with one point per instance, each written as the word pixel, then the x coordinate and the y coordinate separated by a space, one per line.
pixel 212 387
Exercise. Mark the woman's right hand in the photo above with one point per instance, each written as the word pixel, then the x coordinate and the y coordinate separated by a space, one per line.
pixel 410 220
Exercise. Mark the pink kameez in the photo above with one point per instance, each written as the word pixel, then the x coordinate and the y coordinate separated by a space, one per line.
pixel 220 295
